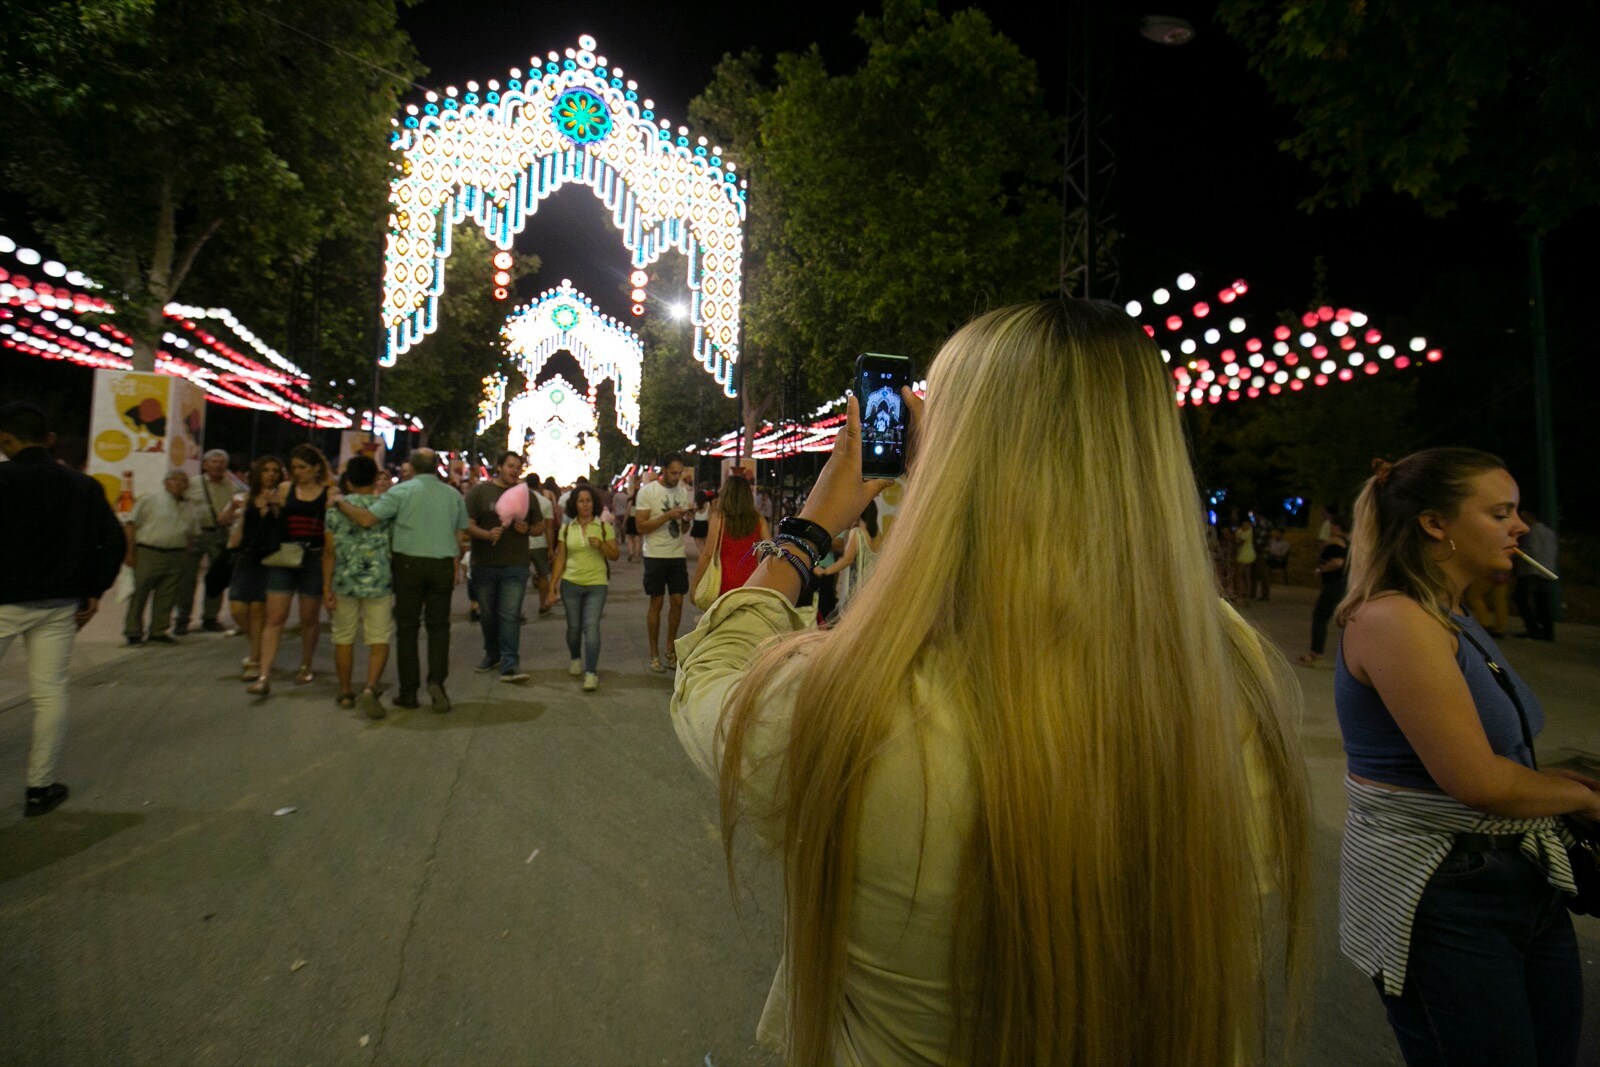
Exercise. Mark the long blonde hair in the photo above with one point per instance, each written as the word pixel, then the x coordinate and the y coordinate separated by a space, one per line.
pixel 1389 552
pixel 1110 910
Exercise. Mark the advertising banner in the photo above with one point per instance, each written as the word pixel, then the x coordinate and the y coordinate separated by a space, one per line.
pixel 360 443
pixel 140 425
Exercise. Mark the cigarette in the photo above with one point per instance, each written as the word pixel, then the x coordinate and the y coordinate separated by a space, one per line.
pixel 1536 565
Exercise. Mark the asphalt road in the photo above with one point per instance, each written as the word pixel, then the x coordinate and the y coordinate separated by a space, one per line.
pixel 536 877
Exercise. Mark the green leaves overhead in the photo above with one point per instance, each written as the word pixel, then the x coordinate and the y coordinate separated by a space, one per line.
pixel 890 203
pixel 147 135
pixel 1436 99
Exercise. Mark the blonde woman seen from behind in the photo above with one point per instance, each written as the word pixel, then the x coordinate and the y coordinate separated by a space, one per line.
pixel 1014 828
pixel 1455 875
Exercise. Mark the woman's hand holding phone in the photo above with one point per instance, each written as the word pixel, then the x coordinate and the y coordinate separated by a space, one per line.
pixel 840 496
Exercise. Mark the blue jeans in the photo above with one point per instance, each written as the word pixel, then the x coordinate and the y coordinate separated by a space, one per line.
pixel 498 591
pixel 584 604
pixel 1493 975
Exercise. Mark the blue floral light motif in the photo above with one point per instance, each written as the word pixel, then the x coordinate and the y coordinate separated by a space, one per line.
pixel 565 316
pixel 581 116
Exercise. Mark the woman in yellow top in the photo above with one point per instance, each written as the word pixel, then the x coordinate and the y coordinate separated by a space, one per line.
pixel 584 549
pixel 1014 828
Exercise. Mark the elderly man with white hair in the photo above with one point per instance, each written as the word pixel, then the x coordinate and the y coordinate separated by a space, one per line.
pixel 160 530
pixel 211 500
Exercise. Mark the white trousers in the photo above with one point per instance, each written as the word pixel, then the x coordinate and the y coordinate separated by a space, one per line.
pixel 47 635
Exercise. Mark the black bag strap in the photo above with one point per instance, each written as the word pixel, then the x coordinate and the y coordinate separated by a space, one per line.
pixel 1504 681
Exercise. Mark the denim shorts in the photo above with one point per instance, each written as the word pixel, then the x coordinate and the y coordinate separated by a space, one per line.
pixel 305 579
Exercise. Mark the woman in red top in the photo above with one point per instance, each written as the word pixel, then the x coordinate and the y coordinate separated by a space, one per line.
pixel 735 528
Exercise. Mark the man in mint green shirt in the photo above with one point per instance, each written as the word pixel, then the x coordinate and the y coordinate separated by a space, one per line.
pixel 429 522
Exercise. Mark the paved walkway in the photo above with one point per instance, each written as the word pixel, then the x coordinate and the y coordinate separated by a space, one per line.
pixel 535 878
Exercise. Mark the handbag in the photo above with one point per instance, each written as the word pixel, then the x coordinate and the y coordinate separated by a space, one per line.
pixel 291 554
pixel 1584 854
pixel 709 587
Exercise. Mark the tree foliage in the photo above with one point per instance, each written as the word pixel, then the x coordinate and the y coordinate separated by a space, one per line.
pixel 887 203
pixel 1318 443
pixel 1436 99
pixel 679 403
pixel 151 138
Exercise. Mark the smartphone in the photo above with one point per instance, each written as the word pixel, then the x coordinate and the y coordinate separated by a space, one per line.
pixel 885 419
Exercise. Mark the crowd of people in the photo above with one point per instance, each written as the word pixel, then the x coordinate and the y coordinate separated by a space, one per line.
pixel 940 731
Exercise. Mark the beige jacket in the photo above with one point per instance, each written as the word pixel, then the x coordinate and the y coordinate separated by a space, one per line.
pixel 898 1004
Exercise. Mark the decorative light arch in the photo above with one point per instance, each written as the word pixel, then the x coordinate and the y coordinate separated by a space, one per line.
pixel 494 156
pixel 556 428
pixel 563 319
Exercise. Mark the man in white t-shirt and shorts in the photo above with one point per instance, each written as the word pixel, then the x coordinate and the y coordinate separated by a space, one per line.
pixel 662 512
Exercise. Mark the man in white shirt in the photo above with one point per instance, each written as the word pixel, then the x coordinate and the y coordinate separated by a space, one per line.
pixel 211 498
pixel 662 512
pixel 160 530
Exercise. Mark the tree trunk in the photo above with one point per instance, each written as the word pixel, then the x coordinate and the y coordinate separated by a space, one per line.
pixel 164 277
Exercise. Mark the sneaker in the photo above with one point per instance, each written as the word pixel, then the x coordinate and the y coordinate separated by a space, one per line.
pixel 406 700
pixel 212 626
pixel 591 682
pixel 485 665
pixel 181 629
pixel 44 799
pixel 514 676
pixel 436 693
pixel 575 668
pixel 655 665
pixel 162 639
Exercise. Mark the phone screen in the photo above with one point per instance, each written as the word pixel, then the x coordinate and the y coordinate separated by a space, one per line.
pixel 885 420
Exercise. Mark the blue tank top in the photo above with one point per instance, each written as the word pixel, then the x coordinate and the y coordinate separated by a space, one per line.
pixel 1376 749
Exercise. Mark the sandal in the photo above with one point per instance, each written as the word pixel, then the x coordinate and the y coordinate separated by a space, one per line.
pixel 261 687
pixel 252 671
pixel 303 676
pixel 347 700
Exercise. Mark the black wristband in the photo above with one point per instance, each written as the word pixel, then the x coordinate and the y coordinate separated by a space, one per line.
pixel 810 532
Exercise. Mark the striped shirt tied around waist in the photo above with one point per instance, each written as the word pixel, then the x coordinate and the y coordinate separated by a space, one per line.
pixel 1393 842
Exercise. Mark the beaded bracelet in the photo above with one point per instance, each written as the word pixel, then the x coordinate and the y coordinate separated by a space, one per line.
pixel 765 550
pixel 802 544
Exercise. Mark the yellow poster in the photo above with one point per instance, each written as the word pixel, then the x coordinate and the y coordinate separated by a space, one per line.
pixel 140 426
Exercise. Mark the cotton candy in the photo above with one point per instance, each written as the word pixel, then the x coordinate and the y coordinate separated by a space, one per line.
pixel 513 504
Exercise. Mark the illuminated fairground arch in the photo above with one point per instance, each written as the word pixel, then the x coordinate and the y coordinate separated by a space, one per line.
pixel 564 320
pixel 572 119
pixel 555 427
